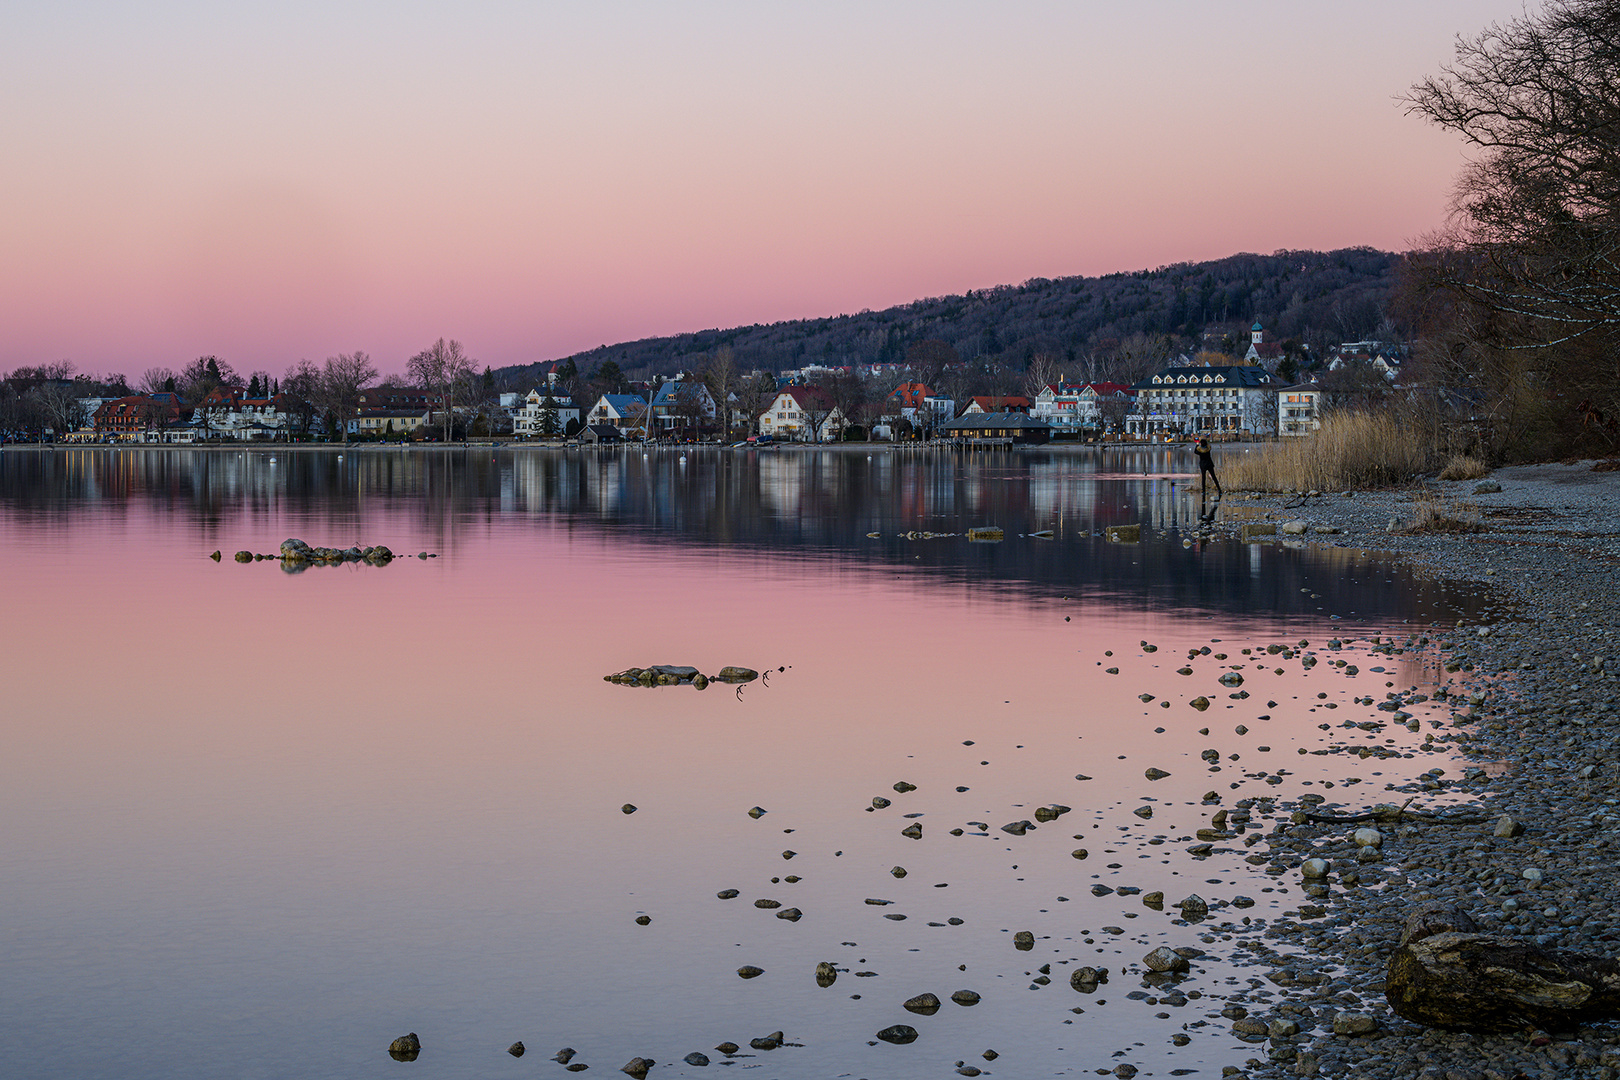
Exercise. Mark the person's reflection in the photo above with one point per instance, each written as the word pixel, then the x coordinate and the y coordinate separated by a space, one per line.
pixel 1207 509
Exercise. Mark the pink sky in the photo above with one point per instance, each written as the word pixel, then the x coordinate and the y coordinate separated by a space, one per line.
pixel 536 179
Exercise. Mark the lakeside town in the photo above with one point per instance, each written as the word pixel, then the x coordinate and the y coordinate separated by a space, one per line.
pixel 1259 393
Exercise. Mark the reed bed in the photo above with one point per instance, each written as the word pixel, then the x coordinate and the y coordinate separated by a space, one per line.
pixel 1464 467
pixel 1352 450
pixel 1433 514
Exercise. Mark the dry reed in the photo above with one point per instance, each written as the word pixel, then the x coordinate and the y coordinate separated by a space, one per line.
pixel 1435 515
pixel 1352 450
pixel 1464 467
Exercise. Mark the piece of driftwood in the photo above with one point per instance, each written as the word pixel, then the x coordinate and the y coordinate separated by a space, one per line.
pixel 1447 974
pixel 1391 814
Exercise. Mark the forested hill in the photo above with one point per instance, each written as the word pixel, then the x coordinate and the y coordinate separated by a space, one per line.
pixel 1318 298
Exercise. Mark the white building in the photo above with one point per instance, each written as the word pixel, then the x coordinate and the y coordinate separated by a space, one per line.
pixel 626 412
pixel 1229 401
pixel 1299 410
pixel 529 418
pixel 803 413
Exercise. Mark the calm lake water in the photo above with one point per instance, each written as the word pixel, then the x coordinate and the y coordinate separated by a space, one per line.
pixel 259 823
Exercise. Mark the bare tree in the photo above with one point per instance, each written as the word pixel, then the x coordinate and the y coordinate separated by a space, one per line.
pixel 846 391
pixel 1140 355
pixel 156 380
pixel 1535 244
pixel 301 394
pixel 754 393
pixel 1112 410
pixel 719 374
pixel 691 406
pixel 929 358
pixel 815 405
pixel 340 383
pixel 1041 373
pixel 445 368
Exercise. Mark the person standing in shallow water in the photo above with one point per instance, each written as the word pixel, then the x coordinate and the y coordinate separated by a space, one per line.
pixel 1206 467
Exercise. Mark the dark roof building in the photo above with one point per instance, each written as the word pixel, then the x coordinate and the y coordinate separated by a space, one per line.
pixel 1191 399
pixel 1007 428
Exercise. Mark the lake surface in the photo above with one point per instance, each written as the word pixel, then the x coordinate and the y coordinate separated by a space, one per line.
pixel 259 823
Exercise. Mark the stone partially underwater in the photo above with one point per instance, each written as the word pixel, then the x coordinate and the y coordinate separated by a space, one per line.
pixel 295 555
pixel 678 675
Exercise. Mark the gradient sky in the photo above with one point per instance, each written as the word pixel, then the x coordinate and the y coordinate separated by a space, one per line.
pixel 269 182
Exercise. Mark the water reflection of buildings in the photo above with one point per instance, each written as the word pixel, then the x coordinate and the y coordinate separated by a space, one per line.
pixel 814 503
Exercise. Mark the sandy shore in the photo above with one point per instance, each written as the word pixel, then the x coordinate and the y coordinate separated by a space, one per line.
pixel 1531 707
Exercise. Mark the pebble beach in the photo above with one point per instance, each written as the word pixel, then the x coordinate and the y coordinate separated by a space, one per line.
pixel 1518 824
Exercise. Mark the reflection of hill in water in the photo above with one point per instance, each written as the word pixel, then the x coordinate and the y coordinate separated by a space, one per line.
pixel 816 504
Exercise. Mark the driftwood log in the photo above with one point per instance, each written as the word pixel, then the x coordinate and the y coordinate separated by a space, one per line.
pixel 1394 815
pixel 1447 974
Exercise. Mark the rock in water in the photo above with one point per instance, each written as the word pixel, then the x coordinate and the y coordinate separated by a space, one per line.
pixel 1194 907
pixel 405 1048
pixel 965 997
pixel 899 1034
pixel 1165 959
pixel 1023 941
pixel 516 1049
pixel 729 674
pixel 637 1067
pixel 697 1059
pixel 826 974
pixel 749 971
pixel 923 1005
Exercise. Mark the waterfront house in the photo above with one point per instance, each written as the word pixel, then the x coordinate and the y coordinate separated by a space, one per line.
pixel 1075 408
pixel 529 419
pixel 994 403
pixel 1299 409
pixel 1219 402
pixel 140 417
pixel 627 412
pixel 1001 428
pixel 801 413
pixel 682 406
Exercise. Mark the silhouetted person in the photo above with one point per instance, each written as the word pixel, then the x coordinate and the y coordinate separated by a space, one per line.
pixel 1206 467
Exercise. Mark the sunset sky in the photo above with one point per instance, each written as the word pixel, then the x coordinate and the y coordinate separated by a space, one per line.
pixel 270 182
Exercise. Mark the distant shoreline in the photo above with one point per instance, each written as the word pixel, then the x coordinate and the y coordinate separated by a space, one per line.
pixel 791 447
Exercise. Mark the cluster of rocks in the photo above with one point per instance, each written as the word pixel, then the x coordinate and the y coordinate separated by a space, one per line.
pixel 680 675
pixel 296 553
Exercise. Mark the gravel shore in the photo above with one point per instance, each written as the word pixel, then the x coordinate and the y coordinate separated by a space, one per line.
pixel 1529 707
